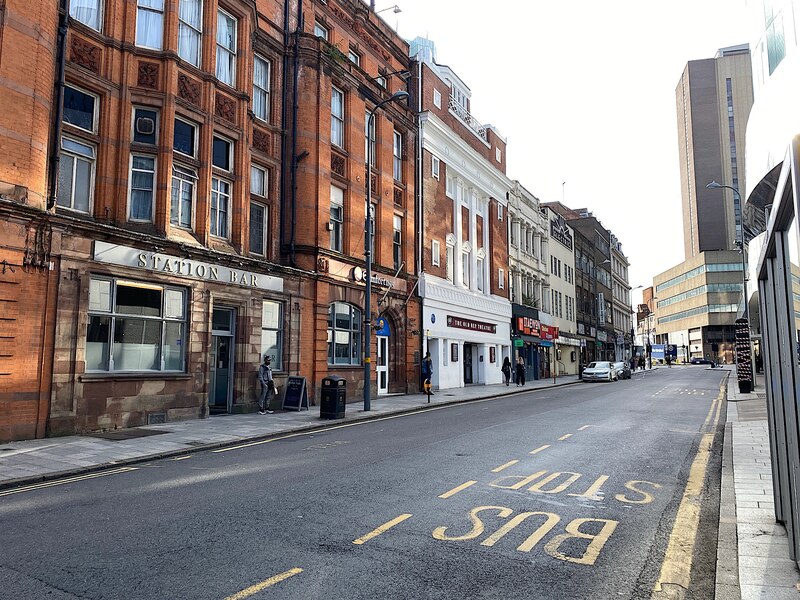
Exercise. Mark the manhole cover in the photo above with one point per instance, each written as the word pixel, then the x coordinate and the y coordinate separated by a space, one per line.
pixel 125 434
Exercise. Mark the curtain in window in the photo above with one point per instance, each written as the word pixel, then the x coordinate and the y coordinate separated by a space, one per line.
pixel 86 11
pixel 260 87
pixel 150 23
pixel 226 47
pixel 189 27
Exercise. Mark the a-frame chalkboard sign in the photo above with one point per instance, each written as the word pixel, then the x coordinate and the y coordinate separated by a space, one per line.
pixel 295 396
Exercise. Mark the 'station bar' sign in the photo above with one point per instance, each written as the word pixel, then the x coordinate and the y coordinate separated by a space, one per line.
pixel 471 325
pixel 181 267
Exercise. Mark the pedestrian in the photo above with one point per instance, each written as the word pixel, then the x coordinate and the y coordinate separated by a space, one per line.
pixel 506 369
pixel 633 364
pixel 520 371
pixel 267 386
pixel 427 370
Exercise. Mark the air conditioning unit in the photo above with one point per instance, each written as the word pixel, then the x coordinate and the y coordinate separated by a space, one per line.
pixel 145 126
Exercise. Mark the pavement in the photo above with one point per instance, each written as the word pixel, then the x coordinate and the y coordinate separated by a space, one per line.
pixel 752 553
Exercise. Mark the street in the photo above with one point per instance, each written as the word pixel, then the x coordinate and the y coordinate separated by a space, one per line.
pixel 601 490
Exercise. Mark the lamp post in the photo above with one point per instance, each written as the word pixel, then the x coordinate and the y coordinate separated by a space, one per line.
pixel 716 186
pixel 597 304
pixel 401 95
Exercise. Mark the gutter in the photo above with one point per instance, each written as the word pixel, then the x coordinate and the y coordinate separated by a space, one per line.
pixel 58 99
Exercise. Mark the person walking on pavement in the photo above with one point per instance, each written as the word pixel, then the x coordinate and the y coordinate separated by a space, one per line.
pixel 267 386
pixel 520 371
pixel 427 370
pixel 506 369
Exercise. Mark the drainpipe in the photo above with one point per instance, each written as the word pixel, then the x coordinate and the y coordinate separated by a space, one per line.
pixel 284 110
pixel 420 203
pixel 58 99
pixel 295 106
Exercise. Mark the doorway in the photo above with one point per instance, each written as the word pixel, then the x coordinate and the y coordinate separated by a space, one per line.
pixel 220 396
pixel 468 364
pixel 383 364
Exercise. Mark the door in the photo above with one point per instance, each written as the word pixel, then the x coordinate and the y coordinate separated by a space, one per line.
pixel 383 364
pixel 220 396
pixel 467 364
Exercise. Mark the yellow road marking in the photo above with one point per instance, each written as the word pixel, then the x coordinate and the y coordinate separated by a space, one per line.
pixel 385 527
pixel 455 490
pixel 539 449
pixel 584 427
pixel 505 466
pixel 564 437
pixel 677 566
pixel 47 484
pixel 264 584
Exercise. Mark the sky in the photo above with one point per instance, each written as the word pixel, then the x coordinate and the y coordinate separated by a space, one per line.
pixel 584 93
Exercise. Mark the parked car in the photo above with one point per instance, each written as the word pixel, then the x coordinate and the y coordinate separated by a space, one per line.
pixel 623 370
pixel 601 370
pixel 701 361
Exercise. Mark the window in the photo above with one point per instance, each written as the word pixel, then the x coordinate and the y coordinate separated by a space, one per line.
pixel 88 12
pixel 499 212
pixel 221 153
pixel 501 279
pixel 450 259
pixel 437 98
pixel 220 201
pixel 142 197
pixel 435 253
pixel 369 139
pixel 450 187
pixel 190 30
pixel 397 242
pixel 76 175
pixel 184 138
pixel 182 196
pixel 226 48
pixel 354 57
pixel 465 258
pixel 498 154
pixel 320 30
pixel 80 109
pixel 259 181
pixel 344 334
pixel 145 126
pixel 258 228
pixel 135 326
pixel 272 333
pixel 261 77
pixel 150 24
pixel 398 156
pixel 381 81
pixel 337 117
pixel 337 218
pixel 479 275
pixel 435 167
pixel 513 231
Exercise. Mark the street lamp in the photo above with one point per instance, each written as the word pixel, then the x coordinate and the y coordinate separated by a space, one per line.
pixel 401 95
pixel 597 304
pixel 716 186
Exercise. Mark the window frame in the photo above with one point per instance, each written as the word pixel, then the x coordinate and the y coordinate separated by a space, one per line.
pixel 153 189
pixel 217 193
pixel 354 57
pixel 186 177
pixel 264 229
pixel 397 241
pixel 437 98
pixel 262 90
pixel 277 358
pixel 113 315
pixel 501 277
pixel 355 316
pixel 221 138
pixel 436 167
pixel 232 53
pixel 190 27
pixel 321 31
pixel 157 123
pixel 195 130
pixel 336 242
pixel 397 156
pixel 149 9
pixel 436 251
pixel 95 109
pixel 254 168
pixel 75 155
pixel 100 4
pixel 339 140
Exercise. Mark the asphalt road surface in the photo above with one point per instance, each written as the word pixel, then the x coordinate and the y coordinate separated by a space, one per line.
pixel 601 490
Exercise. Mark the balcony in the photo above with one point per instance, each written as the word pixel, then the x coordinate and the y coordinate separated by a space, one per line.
pixel 468 120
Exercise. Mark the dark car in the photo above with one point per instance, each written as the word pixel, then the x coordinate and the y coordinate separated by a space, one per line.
pixel 701 361
pixel 623 369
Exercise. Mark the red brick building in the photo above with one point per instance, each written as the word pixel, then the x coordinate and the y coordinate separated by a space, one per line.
pixel 169 207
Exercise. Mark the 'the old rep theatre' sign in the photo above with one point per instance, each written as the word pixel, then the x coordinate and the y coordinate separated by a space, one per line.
pixel 471 325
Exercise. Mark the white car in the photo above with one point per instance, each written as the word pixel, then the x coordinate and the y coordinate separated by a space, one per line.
pixel 601 370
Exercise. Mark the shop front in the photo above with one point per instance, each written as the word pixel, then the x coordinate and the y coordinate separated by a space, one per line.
pixel 568 348
pixel 533 342
pixel 146 336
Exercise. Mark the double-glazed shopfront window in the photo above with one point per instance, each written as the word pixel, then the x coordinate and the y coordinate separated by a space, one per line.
pixel 135 326
pixel 344 334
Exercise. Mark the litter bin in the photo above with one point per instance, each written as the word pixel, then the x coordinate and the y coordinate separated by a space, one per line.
pixel 332 398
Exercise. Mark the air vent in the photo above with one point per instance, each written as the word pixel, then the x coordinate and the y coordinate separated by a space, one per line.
pixel 145 126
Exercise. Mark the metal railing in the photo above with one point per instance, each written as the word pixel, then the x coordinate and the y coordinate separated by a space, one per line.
pixel 462 113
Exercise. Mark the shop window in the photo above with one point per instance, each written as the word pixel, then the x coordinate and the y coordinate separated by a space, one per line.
pixel 272 333
pixel 344 334
pixel 190 30
pixel 135 327
pixel 150 24
pixel 76 175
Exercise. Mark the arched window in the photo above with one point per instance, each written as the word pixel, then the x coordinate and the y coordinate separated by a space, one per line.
pixel 344 334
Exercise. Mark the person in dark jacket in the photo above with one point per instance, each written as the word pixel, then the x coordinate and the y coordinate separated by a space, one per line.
pixel 267 386
pixel 427 369
pixel 520 371
pixel 506 369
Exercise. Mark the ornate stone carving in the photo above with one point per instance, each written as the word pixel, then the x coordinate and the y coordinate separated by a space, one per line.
pixel 337 164
pixel 261 141
pixel 225 108
pixel 148 75
pixel 357 26
pixel 189 89
pixel 322 265
pixel 85 54
pixel 398 196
